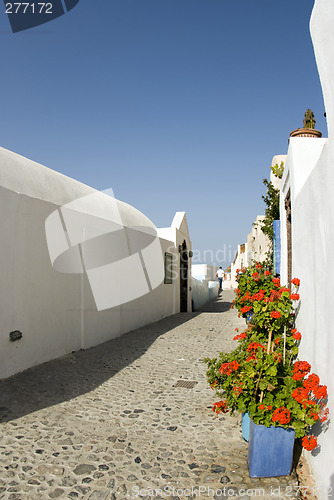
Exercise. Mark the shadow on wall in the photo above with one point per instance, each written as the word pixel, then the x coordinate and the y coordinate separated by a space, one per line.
pixel 81 372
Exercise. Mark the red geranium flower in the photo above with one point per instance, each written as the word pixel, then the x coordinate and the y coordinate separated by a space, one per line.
pixel 297 336
pixel 294 296
pixel 241 336
pixel 281 415
pixel 258 296
pixel 309 442
pixel 220 406
pixel 261 407
pixel 245 309
pixel 267 273
pixel 320 391
pixel 253 346
pixel 295 281
pixel 227 368
pixel 314 415
pixel 237 389
pixel 253 349
pixel 276 281
pixel 275 295
pixel 256 276
pixel 301 395
pixel 275 314
pixel 300 369
pixel 311 382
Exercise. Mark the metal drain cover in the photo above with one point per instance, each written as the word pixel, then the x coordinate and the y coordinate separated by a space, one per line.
pixel 187 384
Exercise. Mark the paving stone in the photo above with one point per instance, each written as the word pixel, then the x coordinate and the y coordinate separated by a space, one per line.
pixel 87 480
pixel 217 469
pixel 99 422
pixel 84 469
pixel 98 495
pixel 56 493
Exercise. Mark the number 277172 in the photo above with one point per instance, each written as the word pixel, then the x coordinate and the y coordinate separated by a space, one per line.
pixel 28 7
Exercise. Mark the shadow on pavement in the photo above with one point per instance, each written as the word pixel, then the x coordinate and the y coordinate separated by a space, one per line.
pixel 65 378
pixel 220 304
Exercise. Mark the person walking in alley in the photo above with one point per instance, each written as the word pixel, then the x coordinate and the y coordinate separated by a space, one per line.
pixel 220 276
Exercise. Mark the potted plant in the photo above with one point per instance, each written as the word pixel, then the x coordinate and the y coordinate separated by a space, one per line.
pixel 264 378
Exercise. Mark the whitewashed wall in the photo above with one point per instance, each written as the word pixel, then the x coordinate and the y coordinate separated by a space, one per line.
pixel 277 160
pixel 203 291
pixel 204 272
pixel 309 173
pixel 55 311
pixel 241 260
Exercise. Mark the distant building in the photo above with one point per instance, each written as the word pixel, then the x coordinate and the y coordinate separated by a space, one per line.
pixel 257 242
pixel 240 261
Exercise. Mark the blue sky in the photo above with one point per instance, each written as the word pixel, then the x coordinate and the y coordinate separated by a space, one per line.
pixel 177 105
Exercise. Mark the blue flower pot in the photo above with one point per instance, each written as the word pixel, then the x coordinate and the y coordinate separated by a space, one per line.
pixel 245 426
pixel 270 450
pixel 249 317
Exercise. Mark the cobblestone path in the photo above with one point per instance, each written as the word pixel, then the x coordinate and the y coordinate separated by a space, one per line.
pixel 108 423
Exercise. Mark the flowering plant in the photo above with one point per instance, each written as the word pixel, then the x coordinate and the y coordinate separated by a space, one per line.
pixel 263 375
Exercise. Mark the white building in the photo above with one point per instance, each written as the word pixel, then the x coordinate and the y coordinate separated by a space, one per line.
pixel 78 267
pixel 240 261
pixel 255 249
pixel 307 237
pixel 257 242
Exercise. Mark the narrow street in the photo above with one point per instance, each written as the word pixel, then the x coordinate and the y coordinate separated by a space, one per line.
pixel 115 422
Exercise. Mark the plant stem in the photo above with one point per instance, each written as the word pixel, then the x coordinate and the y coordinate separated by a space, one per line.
pixel 269 341
pixel 257 385
pixel 284 337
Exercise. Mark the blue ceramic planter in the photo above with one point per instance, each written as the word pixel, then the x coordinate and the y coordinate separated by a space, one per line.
pixel 245 426
pixel 249 317
pixel 270 450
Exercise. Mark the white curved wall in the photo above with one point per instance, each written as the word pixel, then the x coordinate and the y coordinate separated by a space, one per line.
pixel 56 311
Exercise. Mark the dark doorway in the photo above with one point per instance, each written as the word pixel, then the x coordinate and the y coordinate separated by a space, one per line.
pixel 184 278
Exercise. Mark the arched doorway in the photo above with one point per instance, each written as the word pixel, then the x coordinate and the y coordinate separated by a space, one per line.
pixel 184 278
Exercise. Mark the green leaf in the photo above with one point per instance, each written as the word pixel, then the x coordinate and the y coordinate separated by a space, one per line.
pixel 271 371
pixel 263 385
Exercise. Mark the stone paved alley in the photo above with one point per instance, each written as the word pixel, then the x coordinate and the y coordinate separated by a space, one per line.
pixel 107 423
